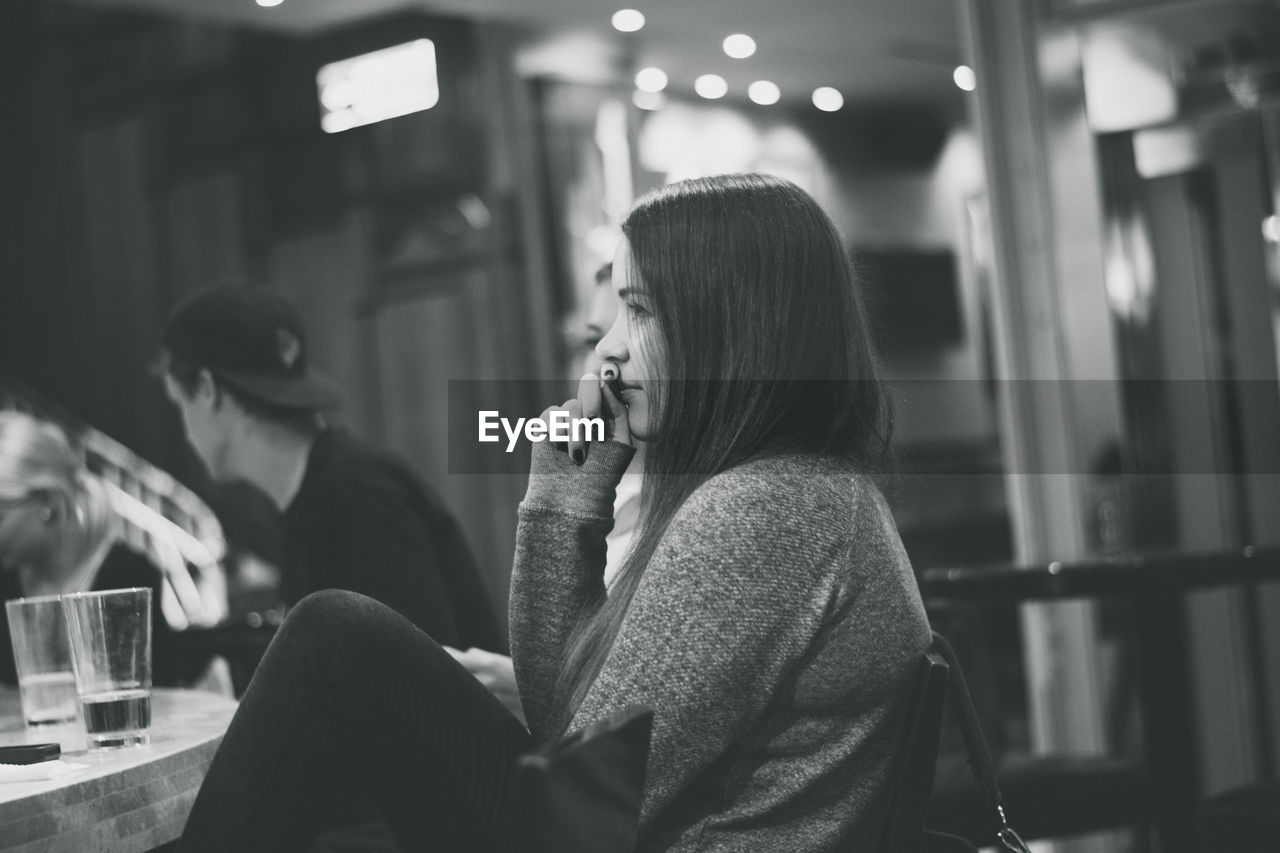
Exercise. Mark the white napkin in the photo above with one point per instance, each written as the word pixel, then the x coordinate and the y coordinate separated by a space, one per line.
pixel 38 772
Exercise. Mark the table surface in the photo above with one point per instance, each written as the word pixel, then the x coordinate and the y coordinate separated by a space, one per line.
pixel 128 799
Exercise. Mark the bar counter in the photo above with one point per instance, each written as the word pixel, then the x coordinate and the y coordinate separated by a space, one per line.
pixel 127 800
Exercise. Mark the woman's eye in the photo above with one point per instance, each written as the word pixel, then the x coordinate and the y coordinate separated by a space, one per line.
pixel 638 310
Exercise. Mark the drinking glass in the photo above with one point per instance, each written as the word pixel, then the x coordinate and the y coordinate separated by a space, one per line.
pixel 110 635
pixel 42 657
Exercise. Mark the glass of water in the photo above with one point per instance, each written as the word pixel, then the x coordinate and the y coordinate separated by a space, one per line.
pixel 110 634
pixel 42 657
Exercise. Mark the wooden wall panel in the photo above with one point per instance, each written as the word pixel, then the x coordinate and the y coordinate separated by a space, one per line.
pixel 121 294
pixel 421 344
pixel 323 272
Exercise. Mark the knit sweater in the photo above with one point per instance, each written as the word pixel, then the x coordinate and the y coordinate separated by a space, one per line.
pixel 776 631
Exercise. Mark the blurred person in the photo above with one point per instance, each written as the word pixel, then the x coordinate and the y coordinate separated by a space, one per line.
pixel 235 364
pixel 766 609
pixel 61 532
pixel 602 313
pixel 496 671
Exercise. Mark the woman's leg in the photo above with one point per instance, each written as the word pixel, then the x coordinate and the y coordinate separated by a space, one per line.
pixel 352 710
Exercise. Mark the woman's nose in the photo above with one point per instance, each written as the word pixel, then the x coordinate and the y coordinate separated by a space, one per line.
pixel 613 346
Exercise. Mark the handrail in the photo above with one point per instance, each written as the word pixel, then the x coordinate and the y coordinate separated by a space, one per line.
pixel 1131 574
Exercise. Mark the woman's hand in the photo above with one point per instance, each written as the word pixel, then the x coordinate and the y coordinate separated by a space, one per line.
pixel 496 673
pixel 595 400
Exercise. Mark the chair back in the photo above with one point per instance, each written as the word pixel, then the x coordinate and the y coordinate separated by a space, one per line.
pixel 917 756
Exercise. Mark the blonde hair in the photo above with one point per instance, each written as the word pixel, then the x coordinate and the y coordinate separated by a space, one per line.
pixel 36 458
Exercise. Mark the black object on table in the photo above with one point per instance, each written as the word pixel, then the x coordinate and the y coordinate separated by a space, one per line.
pixel 242 645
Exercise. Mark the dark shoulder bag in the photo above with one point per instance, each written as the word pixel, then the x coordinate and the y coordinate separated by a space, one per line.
pixel 583 794
pixel 979 758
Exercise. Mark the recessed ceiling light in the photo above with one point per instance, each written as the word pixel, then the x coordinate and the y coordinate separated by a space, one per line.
pixel 827 99
pixel 651 79
pixel 648 100
pixel 267 4
pixel 739 45
pixel 711 86
pixel 627 20
pixel 965 78
pixel 764 92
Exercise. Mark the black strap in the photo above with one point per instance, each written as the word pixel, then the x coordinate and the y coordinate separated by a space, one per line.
pixel 984 769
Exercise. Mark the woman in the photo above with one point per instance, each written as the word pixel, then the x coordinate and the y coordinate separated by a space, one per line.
pixel 766 609
pixel 60 533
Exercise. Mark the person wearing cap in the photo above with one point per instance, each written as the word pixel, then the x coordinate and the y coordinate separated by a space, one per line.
pixel 235 363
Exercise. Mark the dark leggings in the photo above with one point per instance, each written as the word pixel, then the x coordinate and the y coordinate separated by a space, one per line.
pixel 355 713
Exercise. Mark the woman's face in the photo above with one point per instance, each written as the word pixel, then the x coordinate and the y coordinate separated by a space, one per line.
pixel 632 344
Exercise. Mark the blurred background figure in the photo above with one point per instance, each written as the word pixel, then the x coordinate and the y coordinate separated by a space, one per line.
pixel 355 517
pixel 602 311
pixel 495 671
pixel 61 530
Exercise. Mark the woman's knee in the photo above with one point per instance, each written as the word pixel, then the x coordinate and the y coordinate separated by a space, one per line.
pixel 338 618
pixel 328 614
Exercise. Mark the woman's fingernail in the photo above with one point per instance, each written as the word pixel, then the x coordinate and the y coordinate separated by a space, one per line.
pixel 578 456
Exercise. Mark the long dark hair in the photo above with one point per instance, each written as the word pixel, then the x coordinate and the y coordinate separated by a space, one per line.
pixel 764 339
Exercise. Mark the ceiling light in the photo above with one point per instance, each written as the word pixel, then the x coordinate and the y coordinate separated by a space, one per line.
pixel 651 79
pixel 764 92
pixel 648 100
pixel 965 78
pixel 710 86
pixel 1271 229
pixel 372 87
pixel 827 99
pixel 267 4
pixel 739 45
pixel 627 20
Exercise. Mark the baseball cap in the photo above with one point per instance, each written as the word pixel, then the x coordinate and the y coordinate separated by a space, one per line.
pixel 252 339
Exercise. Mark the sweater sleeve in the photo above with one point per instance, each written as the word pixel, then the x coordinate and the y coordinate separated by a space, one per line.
pixel 558 576
pixel 728 607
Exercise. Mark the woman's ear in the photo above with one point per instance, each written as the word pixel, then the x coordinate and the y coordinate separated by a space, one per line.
pixel 207 391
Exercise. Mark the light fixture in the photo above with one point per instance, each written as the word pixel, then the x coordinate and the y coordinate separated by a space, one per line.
pixel 267 4
pixel 827 99
pixel 739 45
pixel 1271 229
pixel 711 86
pixel 965 78
pixel 372 87
pixel 627 20
pixel 764 92
pixel 651 79
pixel 648 100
